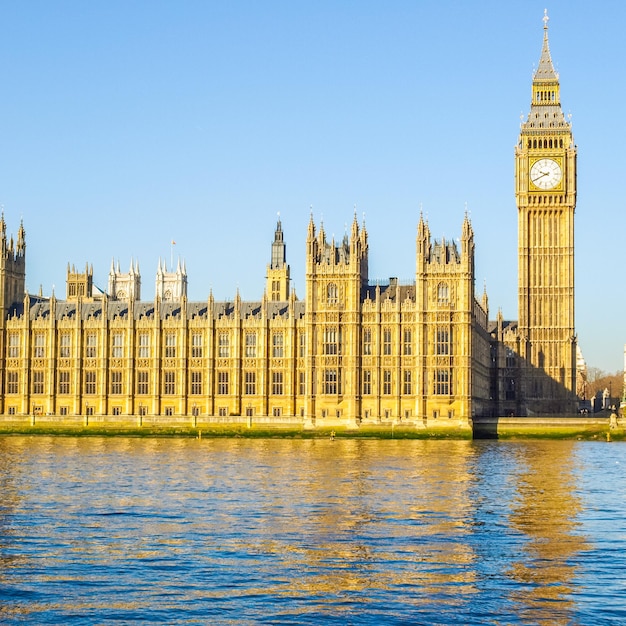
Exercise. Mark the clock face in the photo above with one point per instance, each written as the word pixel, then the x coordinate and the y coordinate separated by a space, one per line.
pixel 545 174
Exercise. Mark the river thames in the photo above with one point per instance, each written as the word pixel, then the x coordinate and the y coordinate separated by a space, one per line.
pixel 275 531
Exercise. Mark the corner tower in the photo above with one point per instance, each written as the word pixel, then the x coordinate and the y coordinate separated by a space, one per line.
pixel 336 274
pixel 545 192
pixel 12 269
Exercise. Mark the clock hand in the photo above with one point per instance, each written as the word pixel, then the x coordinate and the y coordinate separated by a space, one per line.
pixel 541 176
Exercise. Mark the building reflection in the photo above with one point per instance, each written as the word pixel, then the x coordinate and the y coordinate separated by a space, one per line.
pixel 370 518
pixel 546 512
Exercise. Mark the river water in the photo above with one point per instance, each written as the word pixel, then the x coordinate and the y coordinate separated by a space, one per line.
pixel 274 531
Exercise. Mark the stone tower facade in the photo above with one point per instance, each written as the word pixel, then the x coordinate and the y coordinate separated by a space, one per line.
pixel 79 284
pixel 452 343
pixel 12 268
pixel 125 286
pixel 335 277
pixel 545 191
pixel 171 286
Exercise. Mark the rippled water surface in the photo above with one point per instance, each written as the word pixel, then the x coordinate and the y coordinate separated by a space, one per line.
pixel 237 531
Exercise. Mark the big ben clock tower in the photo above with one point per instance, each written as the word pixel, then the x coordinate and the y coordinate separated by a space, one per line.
pixel 545 191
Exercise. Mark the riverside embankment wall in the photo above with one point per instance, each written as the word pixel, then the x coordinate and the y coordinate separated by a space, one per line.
pixel 591 427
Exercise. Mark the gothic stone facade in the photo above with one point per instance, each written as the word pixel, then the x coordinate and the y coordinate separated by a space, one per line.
pixel 351 350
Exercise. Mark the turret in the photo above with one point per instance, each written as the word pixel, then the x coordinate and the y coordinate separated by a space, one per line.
pixel 171 286
pixel 125 286
pixel 12 269
pixel 277 276
pixel 79 284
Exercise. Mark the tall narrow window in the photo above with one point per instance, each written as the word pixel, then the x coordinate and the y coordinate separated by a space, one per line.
pixel 91 345
pixel 387 341
pixel 367 342
pixel 442 382
pixel 407 336
pixel 275 290
pixel 387 382
pixel 331 382
pixel 196 345
pixel 302 342
pixel 443 293
pixel 143 380
pixel 196 383
pixel 511 360
pixel 332 294
pixel 39 350
pixel 331 341
pixel 117 345
pixel 222 383
pixel 170 345
pixel 144 345
pixel 169 383
pixel 367 382
pixel 277 383
pixel 223 345
pixel 408 387
pixel 90 382
pixel 64 382
pixel 116 383
pixel 65 346
pixel 14 345
pixel 277 345
pixel 13 382
pixel 250 345
pixel 38 381
pixel 250 383
pixel 442 341
pixel 302 383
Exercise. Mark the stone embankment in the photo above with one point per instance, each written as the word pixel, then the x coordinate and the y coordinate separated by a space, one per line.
pixel 600 427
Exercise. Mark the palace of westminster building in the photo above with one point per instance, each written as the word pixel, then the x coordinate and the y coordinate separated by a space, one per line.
pixel 350 350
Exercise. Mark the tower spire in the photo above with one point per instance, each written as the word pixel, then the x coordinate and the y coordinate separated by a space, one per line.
pixel 545 71
pixel 277 277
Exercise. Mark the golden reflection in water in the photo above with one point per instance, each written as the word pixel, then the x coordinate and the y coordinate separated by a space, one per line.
pixel 372 517
pixel 545 511
pixel 420 525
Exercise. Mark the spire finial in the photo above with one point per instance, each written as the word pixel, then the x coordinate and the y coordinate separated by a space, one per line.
pixel 546 19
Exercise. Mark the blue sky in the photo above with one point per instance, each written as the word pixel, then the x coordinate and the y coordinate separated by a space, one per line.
pixel 126 125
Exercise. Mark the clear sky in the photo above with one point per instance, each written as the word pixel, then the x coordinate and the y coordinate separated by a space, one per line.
pixel 126 125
